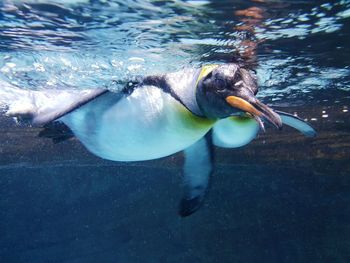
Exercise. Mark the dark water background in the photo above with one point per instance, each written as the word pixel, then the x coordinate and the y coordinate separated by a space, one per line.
pixel 283 198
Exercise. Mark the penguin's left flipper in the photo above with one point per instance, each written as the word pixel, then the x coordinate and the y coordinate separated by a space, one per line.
pixel 65 103
pixel 297 123
pixel 198 167
pixel 42 107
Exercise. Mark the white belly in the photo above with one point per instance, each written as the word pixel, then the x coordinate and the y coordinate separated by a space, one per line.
pixel 147 124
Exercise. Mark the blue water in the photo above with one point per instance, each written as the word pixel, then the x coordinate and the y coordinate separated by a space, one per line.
pixel 283 198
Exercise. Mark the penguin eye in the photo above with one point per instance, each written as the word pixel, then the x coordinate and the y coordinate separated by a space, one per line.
pixel 220 82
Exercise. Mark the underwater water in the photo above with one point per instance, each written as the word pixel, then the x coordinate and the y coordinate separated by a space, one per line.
pixel 282 198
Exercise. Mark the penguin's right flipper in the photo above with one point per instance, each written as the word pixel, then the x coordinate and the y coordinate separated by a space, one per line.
pixel 198 167
pixel 297 123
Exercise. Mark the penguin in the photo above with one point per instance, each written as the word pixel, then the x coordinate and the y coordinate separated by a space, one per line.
pixel 191 110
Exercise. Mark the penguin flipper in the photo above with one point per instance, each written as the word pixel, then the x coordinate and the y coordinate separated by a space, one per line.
pixel 42 107
pixel 297 123
pixel 65 104
pixel 234 131
pixel 198 167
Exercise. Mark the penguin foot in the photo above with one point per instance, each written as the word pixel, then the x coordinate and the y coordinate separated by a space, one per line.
pixel 189 206
pixel 57 131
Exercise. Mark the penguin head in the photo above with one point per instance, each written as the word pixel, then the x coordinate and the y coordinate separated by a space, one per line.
pixel 230 90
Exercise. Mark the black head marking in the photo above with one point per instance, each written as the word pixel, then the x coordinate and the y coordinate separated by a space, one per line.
pixel 225 80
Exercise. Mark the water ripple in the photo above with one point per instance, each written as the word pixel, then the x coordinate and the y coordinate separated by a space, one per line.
pixel 300 46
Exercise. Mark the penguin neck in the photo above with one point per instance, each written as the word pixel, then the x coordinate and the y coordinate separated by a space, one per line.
pixel 183 85
pixel 183 88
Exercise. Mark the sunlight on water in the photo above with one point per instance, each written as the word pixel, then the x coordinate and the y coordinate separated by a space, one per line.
pixel 67 70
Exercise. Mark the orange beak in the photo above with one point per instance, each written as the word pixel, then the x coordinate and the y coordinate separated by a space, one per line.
pixel 262 110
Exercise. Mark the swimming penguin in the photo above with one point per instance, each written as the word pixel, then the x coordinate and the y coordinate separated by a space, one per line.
pixel 156 116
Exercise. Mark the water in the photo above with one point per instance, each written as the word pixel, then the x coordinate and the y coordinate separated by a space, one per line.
pixel 283 198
